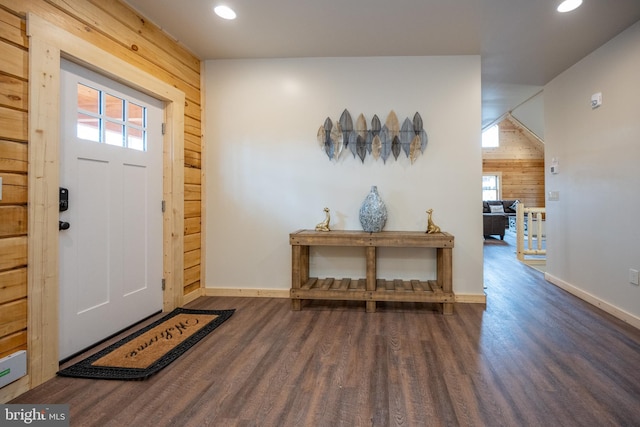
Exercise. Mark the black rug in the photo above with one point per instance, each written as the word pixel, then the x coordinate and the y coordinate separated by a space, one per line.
pixel 145 352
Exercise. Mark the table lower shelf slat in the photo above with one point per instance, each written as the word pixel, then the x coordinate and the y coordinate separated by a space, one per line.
pixel 386 290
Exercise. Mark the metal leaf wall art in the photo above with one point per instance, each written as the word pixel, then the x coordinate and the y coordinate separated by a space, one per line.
pixel 379 141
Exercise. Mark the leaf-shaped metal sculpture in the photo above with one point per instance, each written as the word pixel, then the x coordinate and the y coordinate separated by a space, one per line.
pixel 415 148
pixel 353 140
pixel 360 146
pixel 347 126
pixel 376 147
pixel 375 131
pixel 361 126
pixel 328 148
pixel 328 144
pixel 417 123
pixel 369 142
pixel 376 126
pixel 386 144
pixel 419 130
pixel 423 140
pixel 328 125
pixel 392 124
pixel 406 135
pixel 395 147
pixel 322 137
pixel 338 140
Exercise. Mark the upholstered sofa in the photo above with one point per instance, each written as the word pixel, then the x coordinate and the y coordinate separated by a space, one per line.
pixel 495 216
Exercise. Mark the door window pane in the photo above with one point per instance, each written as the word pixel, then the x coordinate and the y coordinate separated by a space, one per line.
pixel 114 134
pixel 136 115
pixel 88 99
pixel 88 127
pixel 135 139
pixel 114 107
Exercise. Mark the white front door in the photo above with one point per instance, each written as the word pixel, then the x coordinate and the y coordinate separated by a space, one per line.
pixel 111 164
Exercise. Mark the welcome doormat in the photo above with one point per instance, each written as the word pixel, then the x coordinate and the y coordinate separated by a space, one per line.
pixel 150 349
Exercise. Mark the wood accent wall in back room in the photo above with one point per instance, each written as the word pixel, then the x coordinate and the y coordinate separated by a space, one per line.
pixel 116 28
pixel 520 160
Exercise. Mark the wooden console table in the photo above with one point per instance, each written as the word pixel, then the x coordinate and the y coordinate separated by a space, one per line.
pixel 371 289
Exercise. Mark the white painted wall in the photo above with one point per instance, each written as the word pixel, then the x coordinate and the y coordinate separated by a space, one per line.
pixel 594 232
pixel 531 114
pixel 267 176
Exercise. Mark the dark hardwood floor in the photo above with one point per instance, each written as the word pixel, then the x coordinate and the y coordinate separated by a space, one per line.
pixel 534 356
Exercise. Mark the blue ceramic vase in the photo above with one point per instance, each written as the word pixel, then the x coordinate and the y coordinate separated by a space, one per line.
pixel 373 212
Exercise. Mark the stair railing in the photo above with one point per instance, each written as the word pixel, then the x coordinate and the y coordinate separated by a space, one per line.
pixel 534 234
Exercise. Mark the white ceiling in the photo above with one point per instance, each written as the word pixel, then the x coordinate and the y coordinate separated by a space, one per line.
pixel 523 43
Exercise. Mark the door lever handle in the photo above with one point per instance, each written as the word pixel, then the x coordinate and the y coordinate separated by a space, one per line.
pixel 63 225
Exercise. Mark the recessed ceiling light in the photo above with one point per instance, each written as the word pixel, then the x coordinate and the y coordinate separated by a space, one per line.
pixel 569 5
pixel 224 12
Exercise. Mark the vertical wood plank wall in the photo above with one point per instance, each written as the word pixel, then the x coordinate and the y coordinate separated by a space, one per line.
pixel 520 160
pixel 114 27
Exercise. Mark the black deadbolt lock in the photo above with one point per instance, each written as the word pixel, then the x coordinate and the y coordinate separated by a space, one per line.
pixel 64 199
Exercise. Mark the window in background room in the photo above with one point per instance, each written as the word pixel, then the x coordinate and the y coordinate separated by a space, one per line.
pixel 491 137
pixel 491 186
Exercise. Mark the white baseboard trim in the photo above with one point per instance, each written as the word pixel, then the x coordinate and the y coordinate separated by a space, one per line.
pixel 595 301
pixel 284 293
